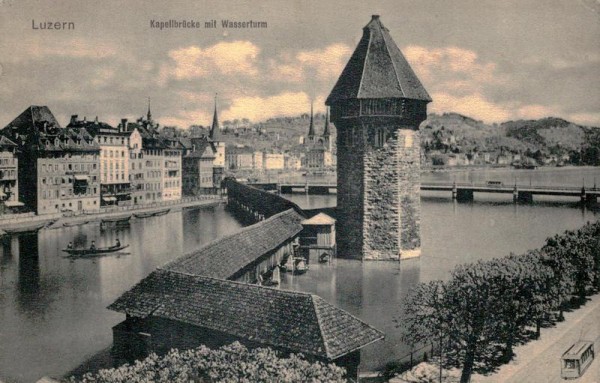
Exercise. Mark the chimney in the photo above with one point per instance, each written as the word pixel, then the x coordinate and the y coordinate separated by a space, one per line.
pixel 123 125
pixel 73 119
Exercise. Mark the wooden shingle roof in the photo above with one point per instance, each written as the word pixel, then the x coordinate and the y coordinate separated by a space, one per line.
pixel 226 256
pixel 377 69
pixel 298 322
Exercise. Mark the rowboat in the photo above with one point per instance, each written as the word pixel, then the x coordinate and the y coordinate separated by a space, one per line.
pixel 300 266
pixel 117 220
pixel 28 228
pixel 66 224
pixel 152 214
pixel 93 252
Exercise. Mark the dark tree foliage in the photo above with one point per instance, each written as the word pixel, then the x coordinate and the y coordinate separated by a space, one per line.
pixel 488 307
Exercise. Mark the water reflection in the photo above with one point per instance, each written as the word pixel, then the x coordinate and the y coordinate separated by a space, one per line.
pixel 371 291
pixel 53 309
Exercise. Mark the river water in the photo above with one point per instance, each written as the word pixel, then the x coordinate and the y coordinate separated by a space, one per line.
pixel 52 309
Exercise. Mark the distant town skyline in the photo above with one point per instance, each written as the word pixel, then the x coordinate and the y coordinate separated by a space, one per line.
pixel 493 61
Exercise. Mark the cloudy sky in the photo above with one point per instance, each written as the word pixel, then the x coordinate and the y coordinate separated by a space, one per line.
pixel 491 60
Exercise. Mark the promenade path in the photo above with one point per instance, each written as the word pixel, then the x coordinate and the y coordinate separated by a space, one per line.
pixel 539 361
pixel 187 202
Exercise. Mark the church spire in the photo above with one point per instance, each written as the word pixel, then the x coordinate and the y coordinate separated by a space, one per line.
pixel 326 129
pixel 311 128
pixel 149 115
pixel 215 131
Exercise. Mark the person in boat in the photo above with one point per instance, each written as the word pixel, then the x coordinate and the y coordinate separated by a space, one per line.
pixel 93 245
pixel 118 243
pixel 70 245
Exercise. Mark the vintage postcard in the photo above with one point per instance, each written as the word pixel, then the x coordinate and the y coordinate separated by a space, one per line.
pixel 299 191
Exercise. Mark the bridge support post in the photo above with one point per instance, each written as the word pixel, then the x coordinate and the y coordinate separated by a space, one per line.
pixel 591 199
pixel 454 191
pixel 525 197
pixel 464 195
pixel 515 194
pixel 583 195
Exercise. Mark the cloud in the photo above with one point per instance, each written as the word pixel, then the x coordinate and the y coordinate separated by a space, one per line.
pixel 564 61
pixel 431 63
pixel 589 119
pixel 533 112
pixel 475 105
pixel 224 58
pixel 260 108
pixel 324 64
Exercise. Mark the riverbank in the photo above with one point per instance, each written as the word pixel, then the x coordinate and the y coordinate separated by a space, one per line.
pixel 57 220
pixel 539 361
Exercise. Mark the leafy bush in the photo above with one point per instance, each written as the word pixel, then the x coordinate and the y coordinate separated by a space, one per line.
pixel 487 307
pixel 232 363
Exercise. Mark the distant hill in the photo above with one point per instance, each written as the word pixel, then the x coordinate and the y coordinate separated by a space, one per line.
pixel 543 139
pixel 548 140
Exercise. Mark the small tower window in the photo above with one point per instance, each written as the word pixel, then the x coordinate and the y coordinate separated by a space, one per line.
pixel 380 137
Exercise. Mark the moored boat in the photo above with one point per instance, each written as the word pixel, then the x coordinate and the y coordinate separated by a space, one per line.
pixel 117 220
pixel 300 266
pixel 73 224
pixel 152 214
pixel 92 252
pixel 28 228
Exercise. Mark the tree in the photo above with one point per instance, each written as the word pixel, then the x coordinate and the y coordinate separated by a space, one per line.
pixel 472 328
pixel 232 363
pixel 425 313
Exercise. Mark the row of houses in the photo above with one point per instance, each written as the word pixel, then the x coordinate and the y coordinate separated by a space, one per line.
pixel 315 152
pixel 47 168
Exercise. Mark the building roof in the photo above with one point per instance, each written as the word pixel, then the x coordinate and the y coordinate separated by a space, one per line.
pixel 32 115
pixel 6 143
pixel 200 149
pixel 37 129
pixel 226 256
pixel 311 126
pixel 319 219
pixel 215 130
pixel 239 150
pixel 377 69
pixel 326 132
pixel 295 321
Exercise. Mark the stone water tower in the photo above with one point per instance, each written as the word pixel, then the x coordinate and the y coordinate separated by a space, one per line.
pixel 377 105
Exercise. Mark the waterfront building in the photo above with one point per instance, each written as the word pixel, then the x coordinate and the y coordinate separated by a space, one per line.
pixel 239 158
pixel 171 309
pixel 216 137
pixel 148 160
pixel 211 297
pixel 273 161
pixel 198 165
pixel 58 168
pixel 9 183
pixel 257 160
pixel 114 159
pixel 172 173
pixel 136 166
pixel 292 162
pixel 377 105
pixel 317 241
pixel 318 149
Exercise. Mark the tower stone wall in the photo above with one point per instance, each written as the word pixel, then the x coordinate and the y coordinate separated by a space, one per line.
pixel 377 105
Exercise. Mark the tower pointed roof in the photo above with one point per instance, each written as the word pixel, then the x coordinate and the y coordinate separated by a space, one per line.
pixel 311 127
pixel 215 130
pixel 326 129
pixel 377 69
pixel 149 114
